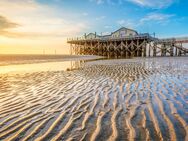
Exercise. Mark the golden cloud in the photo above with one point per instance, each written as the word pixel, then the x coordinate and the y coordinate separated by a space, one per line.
pixel 6 24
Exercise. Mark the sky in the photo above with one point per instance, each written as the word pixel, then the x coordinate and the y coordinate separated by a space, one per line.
pixel 35 26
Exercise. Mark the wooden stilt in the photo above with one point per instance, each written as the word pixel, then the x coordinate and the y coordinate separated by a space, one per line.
pixel 149 53
pixel 128 47
pixel 145 48
pixel 172 50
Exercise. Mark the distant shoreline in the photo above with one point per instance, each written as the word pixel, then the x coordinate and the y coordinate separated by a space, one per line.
pixel 15 59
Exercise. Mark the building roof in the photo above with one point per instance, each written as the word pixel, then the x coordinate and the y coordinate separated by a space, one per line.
pixel 92 34
pixel 125 29
pixel 122 28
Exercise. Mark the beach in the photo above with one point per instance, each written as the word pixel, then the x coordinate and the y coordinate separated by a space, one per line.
pixel 113 99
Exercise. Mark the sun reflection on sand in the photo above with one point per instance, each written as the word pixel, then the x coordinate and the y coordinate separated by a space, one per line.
pixel 37 67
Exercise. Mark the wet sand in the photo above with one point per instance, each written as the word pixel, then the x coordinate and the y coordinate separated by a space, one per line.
pixel 16 59
pixel 124 99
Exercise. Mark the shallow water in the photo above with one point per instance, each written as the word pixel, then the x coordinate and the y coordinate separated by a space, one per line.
pixel 15 59
pixel 37 67
pixel 124 99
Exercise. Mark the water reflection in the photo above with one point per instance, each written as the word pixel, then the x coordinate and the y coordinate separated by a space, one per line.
pixel 134 69
pixel 49 66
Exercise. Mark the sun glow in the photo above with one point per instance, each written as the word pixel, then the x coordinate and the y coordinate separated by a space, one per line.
pixel 30 28
pixel 29 46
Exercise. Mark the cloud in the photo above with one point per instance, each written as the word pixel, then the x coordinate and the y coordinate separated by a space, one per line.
pixel 156 4
pixel 107 26
pixel 153 3
pixel 55 30
pixel 100 18
pixel 85 14
pixel 100 1
pixel 97 1
pixel 110 2
pixel 106 33
pixel 158 17
pixel 37 21
pixel 18 4
pixel 126 23
pixel 6 24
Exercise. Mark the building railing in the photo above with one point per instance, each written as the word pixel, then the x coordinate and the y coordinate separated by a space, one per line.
pixel 104 38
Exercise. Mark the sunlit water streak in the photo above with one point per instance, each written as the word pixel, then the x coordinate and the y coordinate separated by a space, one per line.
pixel 48 66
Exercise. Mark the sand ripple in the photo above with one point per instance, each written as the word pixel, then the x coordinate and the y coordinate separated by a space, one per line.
pixel 133 99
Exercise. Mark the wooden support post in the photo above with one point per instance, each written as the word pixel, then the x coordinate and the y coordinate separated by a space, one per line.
pixel 98 46
pixel 126 47
pixel 132 49
pixel 90 48
pixel 121 48
pixel 108 50
pixel 149 50
pixel 78 49
pixel 102 49
pixel 155 50
pixel 172 49
pixel 74 49
pixel 145 48
pixel 176 51
pixel 115 50
pixel 75 52
pixel 137 48
pixel 165 48
pixel 179 52
pixel 162 50
pixel 70 49
pixel 140 48
pixel 84 48
pixel 81 49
